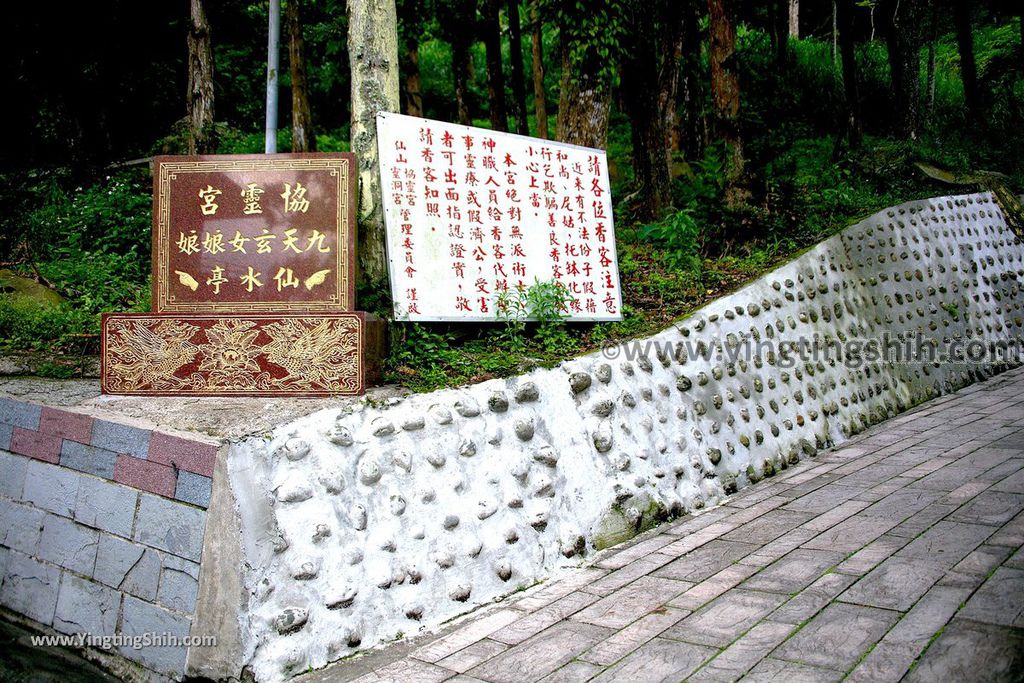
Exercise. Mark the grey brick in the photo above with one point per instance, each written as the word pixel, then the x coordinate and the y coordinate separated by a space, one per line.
pixel 12 474
pixel 5 436
pixel 106 506
pixel 128 567
pixel 30 587
pixel 121 438
pixel 20 526
pixel 19 414
pixel 78 456
pixel 138 618
pixel 85 607
pixel 171 526
pixel 179 584
pixel 5 555
pixel 70 545
pixel 51 487
pixel 193 488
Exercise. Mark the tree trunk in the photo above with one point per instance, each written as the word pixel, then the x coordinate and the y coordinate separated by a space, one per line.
pixel 540 105
pixel 462 71
pixel 585 102
pixel 904 44
pixel 778 23
pixel 693 129
pixel 933 36
pixel 845 18
pixel 725 96
pixel 515 55
pixel 373 56
pixel 410 21
pixel 794 18
pixel 968 68
pixel 199 98
pixel 495 76
pixel 649 87
pixel 303 138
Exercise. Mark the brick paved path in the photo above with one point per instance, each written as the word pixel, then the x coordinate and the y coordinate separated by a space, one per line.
pixel 896 556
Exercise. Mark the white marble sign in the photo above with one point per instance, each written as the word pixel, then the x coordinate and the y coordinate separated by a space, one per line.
pixel 470 212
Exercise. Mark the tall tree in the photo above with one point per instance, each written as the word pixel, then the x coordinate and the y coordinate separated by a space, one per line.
pixel 373 50
pixel 846 20
pixel 725 97
pixel 900 19
pixel 794 18
pixel 410 26
pixel 968 67
pixel 589 45
pixel 453 17
pixel 515 56
pixel 933 37
pixel 540 105
pixel 778 26
pixel 650 76
pixel 199 98
pixel 692 129
pixel 303 139
pixel 491 26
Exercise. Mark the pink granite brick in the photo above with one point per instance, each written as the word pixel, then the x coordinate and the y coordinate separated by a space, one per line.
pixel 65 424
pixel 191 456
pixel 147 476
pixel 36 445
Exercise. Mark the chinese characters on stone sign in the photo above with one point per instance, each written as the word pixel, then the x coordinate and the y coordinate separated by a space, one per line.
pixel 471 213
pixel 246 234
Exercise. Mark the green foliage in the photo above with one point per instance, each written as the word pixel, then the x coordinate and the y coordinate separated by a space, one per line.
pixel 592 30
pixel 678 234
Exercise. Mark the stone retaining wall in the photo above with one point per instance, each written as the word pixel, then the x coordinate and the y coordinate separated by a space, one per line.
pixel 101 527
pixel 363 525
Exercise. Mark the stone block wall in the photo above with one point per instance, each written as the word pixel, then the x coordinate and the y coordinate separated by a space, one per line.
pixel 369 523
pixel 101 528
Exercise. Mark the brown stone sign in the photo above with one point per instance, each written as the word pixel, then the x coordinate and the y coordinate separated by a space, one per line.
pixel 254 233
pixel 161 354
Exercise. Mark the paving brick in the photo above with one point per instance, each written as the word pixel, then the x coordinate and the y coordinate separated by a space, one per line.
pixel 838 636
pixel 946 543
pixel 658 660
pixel 726 618
pixel 994 508
pixel 812 599
pixel 1000 600
pixel 713 586
pixel 128 567
pixel 706 560
pixel 12 475
pixel 106 506
pixel 121 438
pixel 45 447
pixel 179 584
pixel 543 653
pixel 139 618
pixel 193 488
pixel 574 672
pixel 771 669
pixel 19 414
pixel 30 587
pixel 743 654
pixel 623 642
pixel 144 475
pixel 627 574
pixel 546 594
pixel 191 456
pixel 794 572
pixel 535 622
pixel 51 488
pixel 5 437
pixel 412 670
pixel 971 651
pixel 895 584
pixel 631 602
pixel 871 555
pixel 69 545
pixel 171 526
pixel 66 424
pixel 20 526
pixel 465 659
pixel 89 459
pixel 768 526
pixel 466 635
pixel 86 607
